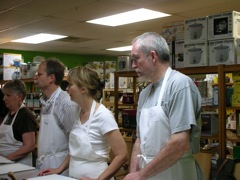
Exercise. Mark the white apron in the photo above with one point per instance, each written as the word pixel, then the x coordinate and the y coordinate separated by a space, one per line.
pixel 154 134
pixel 8 144
pixel 84 161
pixel 52 142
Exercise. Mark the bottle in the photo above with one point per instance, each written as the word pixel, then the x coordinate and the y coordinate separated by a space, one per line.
pixel 215 96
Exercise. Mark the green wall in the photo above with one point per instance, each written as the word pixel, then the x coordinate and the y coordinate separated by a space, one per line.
pixel 70 60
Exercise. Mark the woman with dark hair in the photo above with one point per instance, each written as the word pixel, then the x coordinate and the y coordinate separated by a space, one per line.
pixel 17 131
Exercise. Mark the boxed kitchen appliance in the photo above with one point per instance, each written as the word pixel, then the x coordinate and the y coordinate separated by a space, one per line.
pixel 124 63
pixel 195 30
pixel 196 54
pixel 178 58
pixel 209 123
pixel 222 52
pixel 9 66
pixel 224 25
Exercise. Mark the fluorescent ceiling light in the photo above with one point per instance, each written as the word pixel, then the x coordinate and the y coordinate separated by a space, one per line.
pixel 39 38
pixel 129 17
pixel 124 48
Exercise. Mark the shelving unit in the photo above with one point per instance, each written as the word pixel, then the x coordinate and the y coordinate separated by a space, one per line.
pixel 221 70
pixel 129 74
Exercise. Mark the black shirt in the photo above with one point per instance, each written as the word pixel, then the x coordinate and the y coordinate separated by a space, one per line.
pixel 24 122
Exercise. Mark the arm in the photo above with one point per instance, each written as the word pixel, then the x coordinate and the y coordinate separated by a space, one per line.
pixel 177 145
pixel 134 165
pixel 119 149
pixel 27 147
pixel 58 170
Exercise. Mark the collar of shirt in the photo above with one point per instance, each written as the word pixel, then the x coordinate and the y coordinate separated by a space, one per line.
pixel 48 102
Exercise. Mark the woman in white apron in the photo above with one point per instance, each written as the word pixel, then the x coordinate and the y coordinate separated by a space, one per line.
pixel 94 132
pixel 19 120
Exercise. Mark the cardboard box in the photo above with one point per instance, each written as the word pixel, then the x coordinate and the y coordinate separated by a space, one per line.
pixel 124 63
pixel 196 54
pixel 178 58
pixel 196 30
pixel 222 52
pixel 224 25
pixel 9 66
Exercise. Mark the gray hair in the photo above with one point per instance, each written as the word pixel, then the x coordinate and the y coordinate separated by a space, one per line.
pixel 151 41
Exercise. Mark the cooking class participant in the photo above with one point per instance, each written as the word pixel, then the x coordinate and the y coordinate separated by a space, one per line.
pixel 168 116
pixel 57 115
pixel 95 131
pixel 17 131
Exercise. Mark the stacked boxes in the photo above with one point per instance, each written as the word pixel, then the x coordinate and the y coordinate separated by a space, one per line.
pixel 223 32
pixel 220 33
pixel 195 42
pixel 174 35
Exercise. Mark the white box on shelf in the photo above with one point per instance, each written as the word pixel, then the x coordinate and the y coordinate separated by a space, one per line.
pixel 10 66
pixel 222 52
pixel 179 60
pixel 7 73
pixel 224 25
pixel 196 54
pixel 195 30
pixel 124 63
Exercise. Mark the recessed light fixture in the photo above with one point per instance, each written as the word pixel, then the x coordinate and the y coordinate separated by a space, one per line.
pixel 39 38
pixel 124 48
pixel 129 17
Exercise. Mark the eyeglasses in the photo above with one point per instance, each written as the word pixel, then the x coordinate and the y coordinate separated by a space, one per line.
pixel 37 74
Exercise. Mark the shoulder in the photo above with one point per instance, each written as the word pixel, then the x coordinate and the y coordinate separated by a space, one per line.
pixel 64 99
pixel 178 81
pixel 26 112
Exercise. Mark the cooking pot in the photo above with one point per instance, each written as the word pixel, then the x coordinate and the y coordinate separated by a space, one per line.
pixel 195 30
pixel 221 53
pixel 195 55
pixel 222 26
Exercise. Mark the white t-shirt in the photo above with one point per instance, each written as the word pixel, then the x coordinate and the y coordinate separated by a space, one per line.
pixel 102 122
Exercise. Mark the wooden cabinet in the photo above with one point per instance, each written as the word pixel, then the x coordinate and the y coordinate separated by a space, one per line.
pixel 221 70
